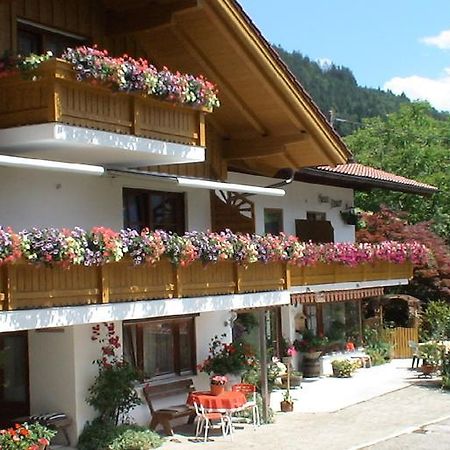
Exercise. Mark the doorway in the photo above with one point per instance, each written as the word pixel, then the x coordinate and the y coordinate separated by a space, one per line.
pixel 14 380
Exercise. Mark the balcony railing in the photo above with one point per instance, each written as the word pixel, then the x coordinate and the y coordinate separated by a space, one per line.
pixel 27 286
pixel 52 94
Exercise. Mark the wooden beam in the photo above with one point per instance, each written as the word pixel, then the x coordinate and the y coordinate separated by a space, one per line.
pixel 261 147
pixel 214 74
pixel 144 17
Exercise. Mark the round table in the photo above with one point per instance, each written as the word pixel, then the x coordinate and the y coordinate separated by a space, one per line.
pixel 228 400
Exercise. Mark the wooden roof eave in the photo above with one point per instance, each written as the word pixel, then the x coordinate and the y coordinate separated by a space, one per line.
pixel 298 104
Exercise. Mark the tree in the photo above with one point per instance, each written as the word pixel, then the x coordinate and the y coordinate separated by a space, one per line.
pixel 431 281
pixel 413 143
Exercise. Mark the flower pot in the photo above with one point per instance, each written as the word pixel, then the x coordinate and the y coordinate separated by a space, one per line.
pixel 286 406
pixel 217 389
pixel 428 369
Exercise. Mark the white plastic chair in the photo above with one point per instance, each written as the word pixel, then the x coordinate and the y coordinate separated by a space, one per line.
pixel 206 420
pixel 250 391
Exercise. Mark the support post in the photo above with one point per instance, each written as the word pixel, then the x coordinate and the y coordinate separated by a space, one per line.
pixel 263 357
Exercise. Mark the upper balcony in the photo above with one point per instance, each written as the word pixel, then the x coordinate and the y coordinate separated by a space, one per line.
pixel 50 114
pixel 80 273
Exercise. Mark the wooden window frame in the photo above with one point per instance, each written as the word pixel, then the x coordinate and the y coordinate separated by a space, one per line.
pixel 148 219
pixel 175 323
pixel 45 33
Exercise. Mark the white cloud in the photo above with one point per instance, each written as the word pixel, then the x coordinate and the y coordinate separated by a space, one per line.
pixel 436 91
pixel 442 40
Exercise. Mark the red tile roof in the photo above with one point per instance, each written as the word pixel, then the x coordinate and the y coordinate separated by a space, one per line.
pixel 360 171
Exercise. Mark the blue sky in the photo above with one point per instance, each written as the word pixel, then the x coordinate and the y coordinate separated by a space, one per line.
pixel 403 45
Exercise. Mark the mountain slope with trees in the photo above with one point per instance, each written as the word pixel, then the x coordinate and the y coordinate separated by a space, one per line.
pixel 335 88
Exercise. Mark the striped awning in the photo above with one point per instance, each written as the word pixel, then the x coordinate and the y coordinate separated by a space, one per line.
pixel 335 296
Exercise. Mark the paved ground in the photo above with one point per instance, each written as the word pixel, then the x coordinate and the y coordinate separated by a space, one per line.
pixel 435 436
pixel 382 408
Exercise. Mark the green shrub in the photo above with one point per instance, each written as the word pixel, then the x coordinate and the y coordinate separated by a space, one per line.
pixel 99 435
pixel 134 439
pixel 435 322
pixel 446 372
pixel 378 345
pixel 344 368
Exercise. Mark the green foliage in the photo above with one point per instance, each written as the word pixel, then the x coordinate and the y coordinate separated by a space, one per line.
pixel 25 437
pixel 446 372
pixel 415 143
pixel 431 352
pixel 436 321
pixel 378 344
pixel 136 439
pixel 100 435
pixel 335 88
pixel 344 368
pixel 113 393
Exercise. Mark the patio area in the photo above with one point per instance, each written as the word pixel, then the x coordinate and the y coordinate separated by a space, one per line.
pixel 314 401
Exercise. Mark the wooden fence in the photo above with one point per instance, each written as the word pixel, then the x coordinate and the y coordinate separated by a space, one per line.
pixel 400 338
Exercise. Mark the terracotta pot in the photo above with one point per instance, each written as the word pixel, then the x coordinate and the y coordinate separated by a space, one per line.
pixel 217 389
pixel 428 369
pixel 286 406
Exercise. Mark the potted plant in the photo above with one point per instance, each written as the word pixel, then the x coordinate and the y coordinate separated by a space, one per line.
pixel 218 384
pixel 343 368
pixel 311 345
pixel 287 404
pixel 431 352
pixel 227 359
pixel 351 216
pixel 32 436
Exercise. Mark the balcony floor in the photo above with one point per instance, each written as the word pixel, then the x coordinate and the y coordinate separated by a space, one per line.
pixel 60 142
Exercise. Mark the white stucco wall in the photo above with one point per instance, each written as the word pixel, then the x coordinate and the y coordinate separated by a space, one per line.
pixel 49 199
pixel 300 198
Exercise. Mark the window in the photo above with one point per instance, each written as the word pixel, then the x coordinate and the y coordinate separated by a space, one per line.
pixel 33 38
pixel 161 348
pixel 315 228
pixel 154 210
pixel 273 221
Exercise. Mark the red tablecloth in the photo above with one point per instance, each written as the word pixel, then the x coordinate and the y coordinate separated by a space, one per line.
pixel 226 400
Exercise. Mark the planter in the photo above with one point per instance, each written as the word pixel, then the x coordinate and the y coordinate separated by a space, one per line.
pixel 311 364
pixel 286 406
pixel 217 389
pixel 233 379
pixel 311 355
pixel 295 381
pixel 428 369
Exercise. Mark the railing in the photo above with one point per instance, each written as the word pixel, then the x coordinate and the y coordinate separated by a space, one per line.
pixel 52 94
pixel 26 286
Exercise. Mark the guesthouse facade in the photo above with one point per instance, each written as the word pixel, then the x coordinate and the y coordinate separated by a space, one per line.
pixel 206 134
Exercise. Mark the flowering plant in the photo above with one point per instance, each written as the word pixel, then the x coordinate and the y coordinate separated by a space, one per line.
pixel 310 343
pixel 25 437
pixel 226 358
pixel 219 380
pixel 103 245
pixel 112 393
pixel 126 74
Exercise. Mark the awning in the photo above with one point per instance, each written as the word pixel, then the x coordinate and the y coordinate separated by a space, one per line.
pixel 335 296
pixel 201 183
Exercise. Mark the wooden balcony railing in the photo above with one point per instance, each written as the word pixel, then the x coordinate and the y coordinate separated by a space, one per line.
pixel 52 94
pixel 26 286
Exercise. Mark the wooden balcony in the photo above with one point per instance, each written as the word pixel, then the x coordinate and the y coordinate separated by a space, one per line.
pixel 52 94
pixel 27 286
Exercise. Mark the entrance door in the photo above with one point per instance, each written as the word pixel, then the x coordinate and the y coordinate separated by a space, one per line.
pixel 14 384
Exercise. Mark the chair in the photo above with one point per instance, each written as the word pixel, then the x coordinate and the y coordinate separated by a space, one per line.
pixel 250 392
pixel 414 346
pixel 206 420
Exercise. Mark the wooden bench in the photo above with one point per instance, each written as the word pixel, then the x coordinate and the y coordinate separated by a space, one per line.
pixel 164 416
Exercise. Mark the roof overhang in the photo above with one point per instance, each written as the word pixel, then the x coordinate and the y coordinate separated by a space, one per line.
pixel 317 175
pixel 267 119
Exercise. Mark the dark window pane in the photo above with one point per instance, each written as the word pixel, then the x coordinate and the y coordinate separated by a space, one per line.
pixel 28 42
pixel 185 346
pixel 273 221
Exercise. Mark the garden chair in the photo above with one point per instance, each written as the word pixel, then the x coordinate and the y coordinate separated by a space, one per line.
pixel 206 420
pixel 414 346
pixel 250 392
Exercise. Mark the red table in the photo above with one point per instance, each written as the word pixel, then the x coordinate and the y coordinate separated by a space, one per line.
pixel 226 401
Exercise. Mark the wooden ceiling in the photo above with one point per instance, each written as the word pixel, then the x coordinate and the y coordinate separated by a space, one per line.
pixel 267 121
